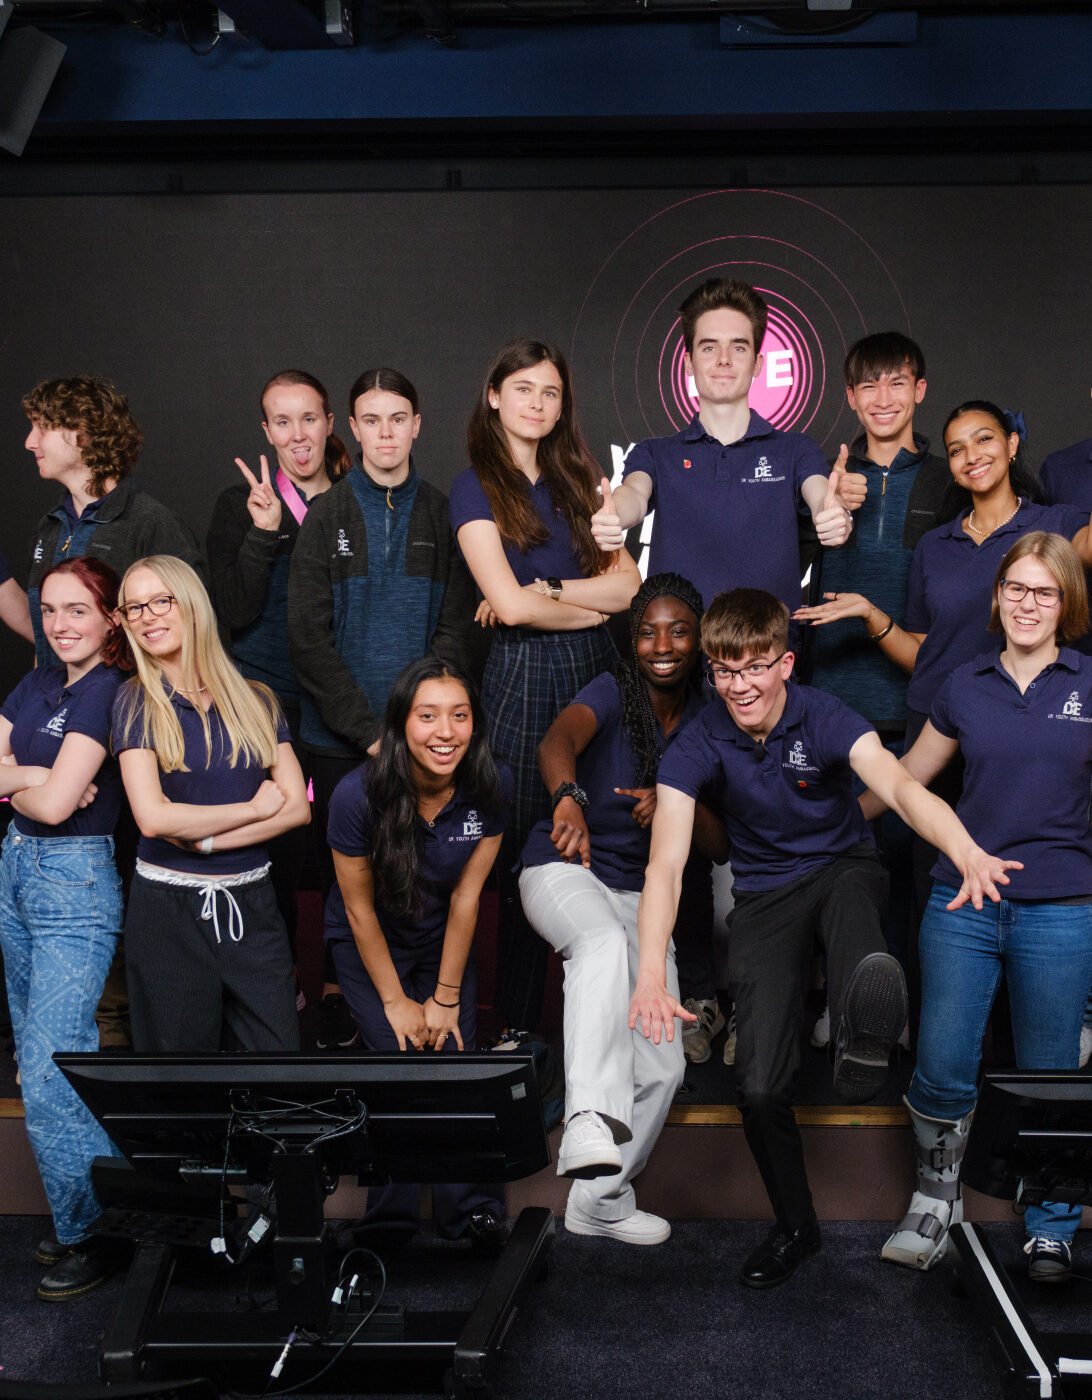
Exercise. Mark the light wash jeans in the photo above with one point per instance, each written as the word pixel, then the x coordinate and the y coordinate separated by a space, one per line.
pixel 60 911
pixel 1045 951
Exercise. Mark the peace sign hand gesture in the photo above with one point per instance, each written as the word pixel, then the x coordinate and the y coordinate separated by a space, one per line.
pixel 263 502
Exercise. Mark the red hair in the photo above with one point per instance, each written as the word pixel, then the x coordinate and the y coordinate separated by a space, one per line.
pixel 102 583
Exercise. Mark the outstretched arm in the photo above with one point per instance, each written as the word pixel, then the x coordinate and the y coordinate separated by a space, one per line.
pixel 895 642
pixel 622 508
pixel 930 754
pixel 932 819
pixel 652 1008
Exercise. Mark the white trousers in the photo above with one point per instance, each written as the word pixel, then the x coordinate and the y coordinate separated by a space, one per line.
pixel 608 1068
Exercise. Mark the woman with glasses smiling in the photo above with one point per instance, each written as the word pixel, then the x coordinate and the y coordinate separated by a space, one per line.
pixel 211 776
pixel 1023 721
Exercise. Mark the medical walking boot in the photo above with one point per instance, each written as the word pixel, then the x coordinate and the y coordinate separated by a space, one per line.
pixel 922 1235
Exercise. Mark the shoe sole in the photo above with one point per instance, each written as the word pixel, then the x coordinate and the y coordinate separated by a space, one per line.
pixel 42 1257
pixel 875 1013
pixel 587 1165
pixel 604 1231
pixel 63 1295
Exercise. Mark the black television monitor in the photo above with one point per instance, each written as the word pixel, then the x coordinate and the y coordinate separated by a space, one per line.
pixel 1032 1136
pixel 414 1117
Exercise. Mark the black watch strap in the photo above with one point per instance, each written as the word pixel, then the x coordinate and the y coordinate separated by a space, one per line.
pixel 573 790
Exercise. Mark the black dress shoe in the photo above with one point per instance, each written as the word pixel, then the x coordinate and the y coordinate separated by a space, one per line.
pixel 777 1256
pixel 84 1267
pixel 51 1250
pixel 487 1233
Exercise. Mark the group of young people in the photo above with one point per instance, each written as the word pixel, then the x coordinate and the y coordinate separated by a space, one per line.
pixel 599 775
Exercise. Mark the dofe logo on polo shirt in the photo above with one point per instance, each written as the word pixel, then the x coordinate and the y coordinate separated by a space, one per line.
pixel 343 545
pixel 763 471
pixel 1072 707
pixel 55 726
pixel 473 826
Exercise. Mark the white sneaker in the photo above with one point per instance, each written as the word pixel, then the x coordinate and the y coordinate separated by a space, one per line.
pixel 730 1041
pixel 638 1228
pixel 820 1032
pixel 588 1148
pixel 1085 1052
pixel 697 1035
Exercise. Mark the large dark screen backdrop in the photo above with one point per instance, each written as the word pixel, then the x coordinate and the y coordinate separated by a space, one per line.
pixel 190 302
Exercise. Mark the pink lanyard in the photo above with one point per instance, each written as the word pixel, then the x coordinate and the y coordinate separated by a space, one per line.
pixel 290 496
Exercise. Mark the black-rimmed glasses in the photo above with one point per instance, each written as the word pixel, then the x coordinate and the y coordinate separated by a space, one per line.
pixel 754 670
pixel 1046 596
pixel 158 607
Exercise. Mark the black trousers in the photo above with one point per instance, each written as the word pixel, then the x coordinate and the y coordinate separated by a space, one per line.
pixel 190 993
pixel 327 770
pixel 399 1203
pixel 769 969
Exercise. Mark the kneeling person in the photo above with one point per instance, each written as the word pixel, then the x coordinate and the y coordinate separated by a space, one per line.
pixel 783 758
pixel 583 872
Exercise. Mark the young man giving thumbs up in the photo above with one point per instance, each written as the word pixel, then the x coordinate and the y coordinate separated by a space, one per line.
pixel 726 490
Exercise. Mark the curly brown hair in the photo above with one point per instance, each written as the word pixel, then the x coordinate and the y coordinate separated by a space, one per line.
pixel 108 435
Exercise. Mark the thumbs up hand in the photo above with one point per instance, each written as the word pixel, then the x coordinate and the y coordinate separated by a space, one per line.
pixel 833 521
pixel 606 526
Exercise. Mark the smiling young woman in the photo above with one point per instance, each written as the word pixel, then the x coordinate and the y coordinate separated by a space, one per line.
pixel 60 895
pixel 1017 718
pixel 521 515
pixel 583 873
pixel 211 776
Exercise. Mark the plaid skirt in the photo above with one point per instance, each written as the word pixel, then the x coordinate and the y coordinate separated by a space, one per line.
pixel 529 679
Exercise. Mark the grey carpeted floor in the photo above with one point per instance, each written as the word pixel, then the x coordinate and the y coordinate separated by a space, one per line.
pixel 611 1320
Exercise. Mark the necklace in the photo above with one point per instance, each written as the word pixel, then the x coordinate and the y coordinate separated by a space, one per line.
pixel 982 534
pixel 201 690
pixel 444 798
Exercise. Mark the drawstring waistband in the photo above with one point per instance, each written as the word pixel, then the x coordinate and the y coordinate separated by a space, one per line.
pixel 208 890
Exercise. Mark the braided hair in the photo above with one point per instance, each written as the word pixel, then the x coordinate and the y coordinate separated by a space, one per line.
pixel 638 717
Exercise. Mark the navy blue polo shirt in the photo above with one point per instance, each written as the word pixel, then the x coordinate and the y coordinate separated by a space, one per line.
pixel 42 710
pixel 555 558
pixel 793 809
pixel 726 516
pixel 211 782
pixel 1067 475
pixel 619 847
pixel 951 592
pixel 443 851
pixel 1029 770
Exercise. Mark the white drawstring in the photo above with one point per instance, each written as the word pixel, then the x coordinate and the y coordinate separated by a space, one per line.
pixel 208 910
pixel 208 890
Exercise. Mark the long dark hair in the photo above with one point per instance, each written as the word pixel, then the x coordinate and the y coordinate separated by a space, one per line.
pixel 102 583
pixel 638 716
pixel 1021 477
pixel 335 458
pixel 392 791
pixel 564 459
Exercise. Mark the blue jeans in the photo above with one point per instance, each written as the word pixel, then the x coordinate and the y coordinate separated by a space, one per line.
pixel 1045 951
pixel 60 911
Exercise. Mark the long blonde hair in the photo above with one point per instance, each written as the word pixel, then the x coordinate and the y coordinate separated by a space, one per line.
pixel 248 710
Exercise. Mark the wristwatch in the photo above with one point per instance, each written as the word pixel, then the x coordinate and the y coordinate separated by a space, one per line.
pixel 554 585
pixel 573 790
